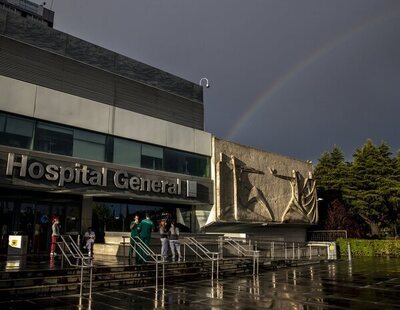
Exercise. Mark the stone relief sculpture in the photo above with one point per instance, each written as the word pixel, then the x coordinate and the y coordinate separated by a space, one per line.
pixel 256 202
pixel 303 203
pixel 310 198
pixel 257 197
pixel 239 199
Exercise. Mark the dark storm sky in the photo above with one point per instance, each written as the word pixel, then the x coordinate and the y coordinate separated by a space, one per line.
pixel 293 77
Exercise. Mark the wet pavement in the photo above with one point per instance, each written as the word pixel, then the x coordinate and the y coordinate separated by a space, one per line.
pixel 363 284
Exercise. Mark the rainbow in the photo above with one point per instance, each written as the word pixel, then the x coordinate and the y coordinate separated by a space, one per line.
pixel 314 56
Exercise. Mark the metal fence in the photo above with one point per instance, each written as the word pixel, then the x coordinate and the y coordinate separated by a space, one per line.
pixel 327 235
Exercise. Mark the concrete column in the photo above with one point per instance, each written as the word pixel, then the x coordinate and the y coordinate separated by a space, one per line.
pixel 87 209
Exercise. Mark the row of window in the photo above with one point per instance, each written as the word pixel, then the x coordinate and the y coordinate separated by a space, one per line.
pixel 47 137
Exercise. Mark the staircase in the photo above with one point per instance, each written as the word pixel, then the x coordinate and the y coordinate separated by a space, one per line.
pixel 52 282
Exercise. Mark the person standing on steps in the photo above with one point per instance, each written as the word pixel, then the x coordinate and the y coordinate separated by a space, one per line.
pixel 55 233
pixel 164 240
pixel 145 228
pixel 90 236
pixel 174 244
pixel 134 226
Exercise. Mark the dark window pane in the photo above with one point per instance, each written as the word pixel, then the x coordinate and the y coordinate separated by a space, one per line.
pixel 89 145
pixel 198 165
pixel 175 161
pixel 152 157
pixel 113 216
pixel 152 163
pixel 16 131
pixel 72 219
pixel 2 122
pixel 118 216
pixel 186 163
pixel 126 152
pixel 54 139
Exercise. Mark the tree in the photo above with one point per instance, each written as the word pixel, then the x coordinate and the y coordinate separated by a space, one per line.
pixel 331 171
pixel 339 217
pixel 369 185
pixel 330 174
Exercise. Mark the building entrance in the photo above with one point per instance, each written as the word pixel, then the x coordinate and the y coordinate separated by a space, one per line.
pixel 116 216
pixel 31 215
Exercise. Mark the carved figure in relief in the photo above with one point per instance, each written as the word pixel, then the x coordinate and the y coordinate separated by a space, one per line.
pixel 256 201
pixel 310 198
pixel 303 201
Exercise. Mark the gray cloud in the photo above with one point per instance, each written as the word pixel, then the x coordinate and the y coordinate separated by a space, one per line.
pixel 331 67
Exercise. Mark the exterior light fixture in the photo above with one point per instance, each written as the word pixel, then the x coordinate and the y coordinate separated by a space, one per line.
pixel 205 79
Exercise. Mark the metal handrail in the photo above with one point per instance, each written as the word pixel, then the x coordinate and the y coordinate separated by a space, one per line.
pixel 240 248
pixel 78 253
pixel 138 243
pixel 86 261
pixel 196 246
pixel 292 250
pixel 191 241
pixel 254 254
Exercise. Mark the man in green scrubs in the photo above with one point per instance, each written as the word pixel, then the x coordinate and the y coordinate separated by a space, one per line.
pixel 134 226
pixel 145 228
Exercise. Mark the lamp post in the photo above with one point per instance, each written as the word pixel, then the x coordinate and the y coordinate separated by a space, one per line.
pixel 318 200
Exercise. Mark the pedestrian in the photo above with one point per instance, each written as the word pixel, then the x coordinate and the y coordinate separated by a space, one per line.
pixel 145 228
pixel 134 226
pixel 164 240
pixel 89 238
pixel 174 243
pixel 55 233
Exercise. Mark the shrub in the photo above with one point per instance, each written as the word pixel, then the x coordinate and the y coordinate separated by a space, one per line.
pixel 363 247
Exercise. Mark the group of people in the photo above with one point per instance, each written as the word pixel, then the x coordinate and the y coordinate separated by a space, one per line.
pixel 169 238
pixel 88 238
pixel 141 229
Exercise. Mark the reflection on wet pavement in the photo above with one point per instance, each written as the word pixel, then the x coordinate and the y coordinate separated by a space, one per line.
pixel 365 283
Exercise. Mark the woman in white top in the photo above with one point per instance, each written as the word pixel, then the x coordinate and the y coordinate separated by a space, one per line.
pixel 55 233
pixel 174 244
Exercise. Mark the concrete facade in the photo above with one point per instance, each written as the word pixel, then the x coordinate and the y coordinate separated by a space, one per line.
pixel 75 88
pixel 258 191
pixel 47 104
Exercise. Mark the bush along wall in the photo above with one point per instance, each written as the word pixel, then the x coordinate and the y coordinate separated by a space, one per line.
pixel 363 247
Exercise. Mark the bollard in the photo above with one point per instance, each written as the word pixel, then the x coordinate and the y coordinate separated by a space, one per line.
pixel 349 251
pixel 293 250
pixel 285 245
pixel 221 246
pixel 272 250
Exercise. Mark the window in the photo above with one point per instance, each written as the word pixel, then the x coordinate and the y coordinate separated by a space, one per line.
pixel 198 165
pixel 113 216
pixel 152 157
pixel 16 131
pixel 186 163
pixel 126 152
pixel 50 138
pixel 89 145
pixel 175 162
pixel 116 219
pixel 72 222
pixel 54 139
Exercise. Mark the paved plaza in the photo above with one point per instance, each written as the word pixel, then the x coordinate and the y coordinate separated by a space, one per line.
pixel 364 284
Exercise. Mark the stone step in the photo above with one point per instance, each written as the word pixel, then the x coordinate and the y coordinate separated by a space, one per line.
pixel 49 282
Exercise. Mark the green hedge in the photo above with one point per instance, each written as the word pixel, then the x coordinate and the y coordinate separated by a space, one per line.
pixel 363 247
